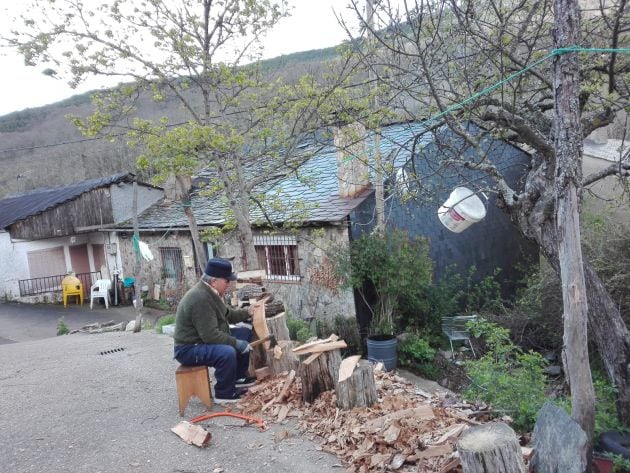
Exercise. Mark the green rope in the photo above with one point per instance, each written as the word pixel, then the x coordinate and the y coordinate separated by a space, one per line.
pixel 555 52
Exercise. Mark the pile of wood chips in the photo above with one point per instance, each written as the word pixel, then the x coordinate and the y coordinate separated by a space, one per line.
pixel 407 430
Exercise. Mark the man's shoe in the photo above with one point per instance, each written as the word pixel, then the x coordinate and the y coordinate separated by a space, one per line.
pixel 245 382
pixel 231 399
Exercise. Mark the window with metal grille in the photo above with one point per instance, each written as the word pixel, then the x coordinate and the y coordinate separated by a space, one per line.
pixel 172 263
pixel 278 256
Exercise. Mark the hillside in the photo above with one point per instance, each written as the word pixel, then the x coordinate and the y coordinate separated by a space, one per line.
pixel 41 148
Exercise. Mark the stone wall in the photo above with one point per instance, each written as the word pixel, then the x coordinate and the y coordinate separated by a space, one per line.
pixel 152 271
pixel 316 295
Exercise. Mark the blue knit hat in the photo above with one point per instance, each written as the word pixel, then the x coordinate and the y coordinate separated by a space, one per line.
pixel 220 268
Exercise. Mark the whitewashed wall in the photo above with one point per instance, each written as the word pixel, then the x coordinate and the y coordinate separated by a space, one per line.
pixel 14 261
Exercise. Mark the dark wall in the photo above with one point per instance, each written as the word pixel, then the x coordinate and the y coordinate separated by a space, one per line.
pixel 489 244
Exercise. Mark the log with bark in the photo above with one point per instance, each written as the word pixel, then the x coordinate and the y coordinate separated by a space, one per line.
pixel 490 448
pixel 319 374
pixel 281 358
pixel 277 326
pixel 358 389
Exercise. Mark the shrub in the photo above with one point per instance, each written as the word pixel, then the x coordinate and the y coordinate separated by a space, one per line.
pixel 303 334
pixel 456 294
pixel 390 271
pixel 605 405
pixel 62 327
pixel 415 349
pixel 323 328
pixel 162 321
pixel 160 304
pixel 510 380
pixel 348 330
pixel 295 326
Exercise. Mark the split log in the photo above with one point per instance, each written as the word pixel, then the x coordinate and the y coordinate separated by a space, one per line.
pixel 332 338
pixel 258 355
pixel 347 367
pixel 320 374
pixel 258 321
pixel 283 394
pixel 277 326
pixel 490 448
pixel 192 434
pixel 320 347
pixel 281 358
pixel 358 389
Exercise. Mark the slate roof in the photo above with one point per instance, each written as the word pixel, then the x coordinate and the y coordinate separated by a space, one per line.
pixel 314 201
pixel 20 206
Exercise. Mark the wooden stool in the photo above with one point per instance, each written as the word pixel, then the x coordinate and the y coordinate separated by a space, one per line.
pixel 192 381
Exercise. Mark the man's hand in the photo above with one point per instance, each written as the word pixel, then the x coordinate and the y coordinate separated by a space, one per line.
pixel 243 347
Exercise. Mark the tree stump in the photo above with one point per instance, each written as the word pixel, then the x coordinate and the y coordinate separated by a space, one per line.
pixel 490 448
pixel 287 361
pixel 277 326
pixel 319 373
pixel 359 390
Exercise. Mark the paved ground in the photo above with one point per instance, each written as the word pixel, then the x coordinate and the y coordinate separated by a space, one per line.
pixel 106 403
pixel 67 407
pixel 25 322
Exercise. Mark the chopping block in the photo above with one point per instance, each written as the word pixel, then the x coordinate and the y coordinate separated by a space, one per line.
pixel 192 381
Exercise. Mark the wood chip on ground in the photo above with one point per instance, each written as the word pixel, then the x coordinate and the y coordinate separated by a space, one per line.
pixel 405 431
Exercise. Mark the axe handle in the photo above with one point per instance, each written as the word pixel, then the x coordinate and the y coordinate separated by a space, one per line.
pixel 262 340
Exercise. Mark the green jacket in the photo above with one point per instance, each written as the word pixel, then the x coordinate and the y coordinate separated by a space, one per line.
pixel 203 317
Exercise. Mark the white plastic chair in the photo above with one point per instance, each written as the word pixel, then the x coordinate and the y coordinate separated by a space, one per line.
pixel 100 289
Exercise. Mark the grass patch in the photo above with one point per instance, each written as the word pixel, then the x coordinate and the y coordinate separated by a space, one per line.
pixel 164 320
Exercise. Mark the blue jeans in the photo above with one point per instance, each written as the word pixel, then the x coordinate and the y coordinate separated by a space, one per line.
pixel 229 365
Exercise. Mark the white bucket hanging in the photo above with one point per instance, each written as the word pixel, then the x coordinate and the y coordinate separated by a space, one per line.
pixel 461 210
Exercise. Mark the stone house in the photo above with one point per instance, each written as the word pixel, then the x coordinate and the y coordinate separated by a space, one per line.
pixel 333 205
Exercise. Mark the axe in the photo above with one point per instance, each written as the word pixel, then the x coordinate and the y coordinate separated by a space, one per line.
pixel 269 338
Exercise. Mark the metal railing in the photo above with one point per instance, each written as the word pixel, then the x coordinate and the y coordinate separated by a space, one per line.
pixel 34 286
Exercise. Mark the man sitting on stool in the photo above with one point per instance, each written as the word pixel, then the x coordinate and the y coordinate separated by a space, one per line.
pixel 203 335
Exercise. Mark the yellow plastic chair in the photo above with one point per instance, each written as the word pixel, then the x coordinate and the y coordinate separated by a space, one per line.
pixel 71 286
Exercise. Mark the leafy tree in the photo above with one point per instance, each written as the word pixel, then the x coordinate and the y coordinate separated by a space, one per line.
pixel 390 271
pixel 232 121
pixel 451 61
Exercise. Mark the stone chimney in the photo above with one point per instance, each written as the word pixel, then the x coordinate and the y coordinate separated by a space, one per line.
pixel 352 159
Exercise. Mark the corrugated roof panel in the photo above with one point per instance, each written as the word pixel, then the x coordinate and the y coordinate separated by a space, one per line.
pixel 27 204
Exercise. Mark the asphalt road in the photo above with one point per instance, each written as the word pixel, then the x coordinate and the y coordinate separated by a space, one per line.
pixel 28 322
pixel 101 403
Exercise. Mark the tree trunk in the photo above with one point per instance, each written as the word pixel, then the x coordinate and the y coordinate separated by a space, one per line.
pixel 194 234
pixel 609 332
pixel 249 260
pixel 278 326
pixel 568 172
pixel 490 448
pixel 137 273
pixel 319 374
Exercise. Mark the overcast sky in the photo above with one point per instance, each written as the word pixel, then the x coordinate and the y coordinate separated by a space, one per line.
pixel 311 26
